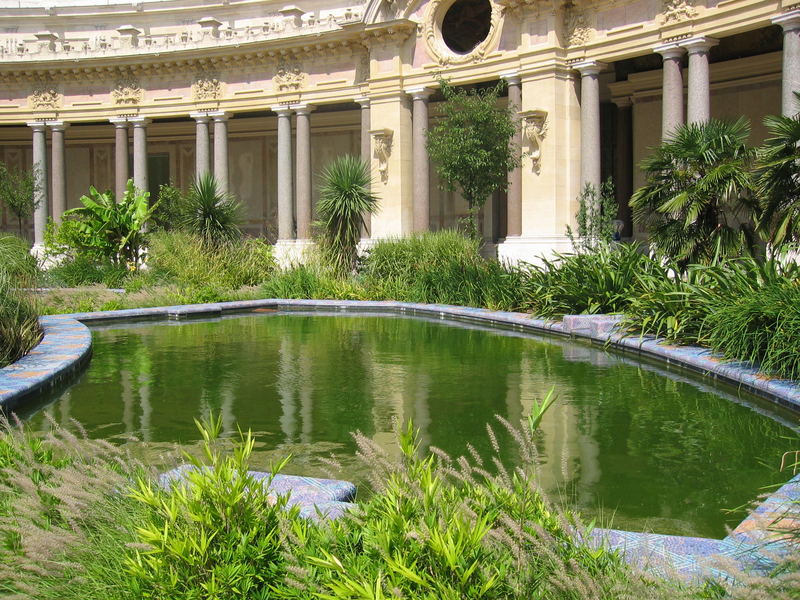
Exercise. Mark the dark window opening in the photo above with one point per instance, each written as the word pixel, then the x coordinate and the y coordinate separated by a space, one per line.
pixel 466 24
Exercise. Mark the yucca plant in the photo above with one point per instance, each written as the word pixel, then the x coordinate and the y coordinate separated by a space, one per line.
pixel 697 200
pixel 778 179
pixel 214 216
pixel 344 199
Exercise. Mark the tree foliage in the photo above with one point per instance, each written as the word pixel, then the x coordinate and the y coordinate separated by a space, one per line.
pixel 343 201
pixel 778 180
pixel 697 200
pixel 472 146
pixel 17 192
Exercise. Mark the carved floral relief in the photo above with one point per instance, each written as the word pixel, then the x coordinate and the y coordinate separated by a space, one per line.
pixel 382 139
pixel 289 78
pixel 127 91
pixel 206 86
pixel 45 97
pixel 534 130
pixel 678 10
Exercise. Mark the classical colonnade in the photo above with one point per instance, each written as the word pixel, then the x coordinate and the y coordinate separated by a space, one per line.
pixel 294 177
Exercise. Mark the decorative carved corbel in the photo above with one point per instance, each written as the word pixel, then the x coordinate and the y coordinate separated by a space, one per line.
pixel 383 150
pixel 534 130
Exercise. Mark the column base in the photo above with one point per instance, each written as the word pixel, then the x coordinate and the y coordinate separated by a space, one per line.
pixel 531 249
pixel 289 253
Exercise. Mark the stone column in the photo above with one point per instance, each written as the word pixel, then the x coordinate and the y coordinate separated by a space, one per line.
pixel 40 196
pixel 303 167
pixel 365 152
pixel 121 158
pixel 59 183
pixel 221 150
pixel 590 122
pixel 202 151
pixel 791 61
pixel 285 218
pixel 514 203
pixel 421 164
pixel 140 179
pixel 698 107
pixel 672 90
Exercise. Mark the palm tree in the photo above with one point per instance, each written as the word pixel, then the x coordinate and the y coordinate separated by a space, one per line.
pixel 344 200
pixel 696 203
pixel 778 180
pixel 211 214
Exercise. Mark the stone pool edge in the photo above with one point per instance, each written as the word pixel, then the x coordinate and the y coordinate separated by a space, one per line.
pixel 65 347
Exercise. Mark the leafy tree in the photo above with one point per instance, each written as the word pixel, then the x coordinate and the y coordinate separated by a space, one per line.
pixel 778 179
pixel 471 145
pixel 595 218
pixel 17 192
pixel 344 200
pixel 697 203
pixel 104 228
pixel 211 214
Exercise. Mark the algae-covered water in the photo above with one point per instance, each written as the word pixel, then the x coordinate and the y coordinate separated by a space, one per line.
pixel 639 446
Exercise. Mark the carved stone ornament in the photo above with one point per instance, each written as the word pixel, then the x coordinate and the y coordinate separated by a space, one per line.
pixel 576 28
pixel 127 92
pixel 383 150
pixel 206 86
pixel 45 97
pixel 289 78
pixel 534 130
pixel 678 10
pixel 432 31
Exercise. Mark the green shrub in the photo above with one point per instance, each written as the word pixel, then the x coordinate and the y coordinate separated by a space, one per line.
pixel 81 270
pixel 312 281
pixel 19 325
pixel 444 267
pixel 186 260
pixel 167 215
pixel 602 281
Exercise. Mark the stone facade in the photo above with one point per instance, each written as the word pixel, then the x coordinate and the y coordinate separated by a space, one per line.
pixel 160 90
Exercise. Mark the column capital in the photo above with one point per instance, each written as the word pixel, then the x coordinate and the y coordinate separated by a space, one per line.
pixel 119 122
pixel 419 93
pixel 281 111
pixel 672 50
pixel 790 21
pixel 139 121
pixel 202 117
pixel 362 100
pixel 302 109
pixel 698 45
pixel 511 77
pixel 219 115
pixel 589 67
pixel 58 125
pixel 37 125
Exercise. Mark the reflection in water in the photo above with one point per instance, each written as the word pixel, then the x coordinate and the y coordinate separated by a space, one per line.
pixel 659 450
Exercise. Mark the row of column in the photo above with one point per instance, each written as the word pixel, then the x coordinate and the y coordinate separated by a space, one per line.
pixel 698 105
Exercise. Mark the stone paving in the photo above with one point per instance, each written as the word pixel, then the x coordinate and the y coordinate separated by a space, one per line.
pixel 66 346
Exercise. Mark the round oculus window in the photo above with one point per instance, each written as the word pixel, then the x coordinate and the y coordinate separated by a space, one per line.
pixel 466 24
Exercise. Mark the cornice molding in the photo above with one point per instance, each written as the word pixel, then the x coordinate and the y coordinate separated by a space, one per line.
pixel 345 40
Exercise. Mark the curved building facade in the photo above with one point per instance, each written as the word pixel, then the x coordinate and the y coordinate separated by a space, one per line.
pixel 264 94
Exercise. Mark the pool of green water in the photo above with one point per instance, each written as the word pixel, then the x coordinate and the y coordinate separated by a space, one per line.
pixel 632 443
